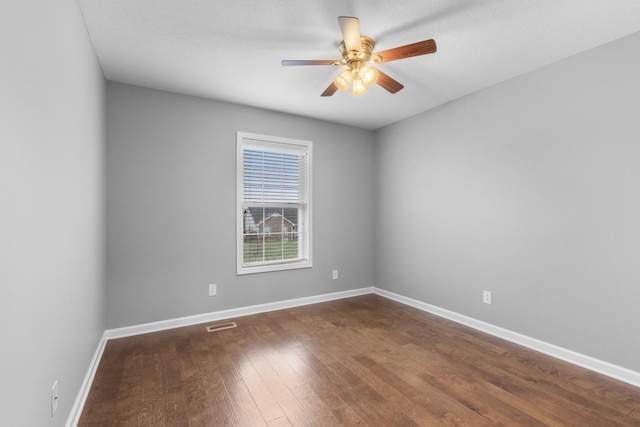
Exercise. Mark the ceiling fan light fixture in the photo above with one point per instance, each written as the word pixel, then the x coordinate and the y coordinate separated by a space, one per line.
pixel 358 87
pixel 343 79
pixel 369 76
pixel 357 52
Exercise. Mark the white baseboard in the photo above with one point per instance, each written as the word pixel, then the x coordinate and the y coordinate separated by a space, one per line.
pixel 588 362
pixel 605 368
pixel 108 334
pixel 235 312
pixel 81 398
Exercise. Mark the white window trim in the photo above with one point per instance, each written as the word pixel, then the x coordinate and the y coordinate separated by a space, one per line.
pixel 252 140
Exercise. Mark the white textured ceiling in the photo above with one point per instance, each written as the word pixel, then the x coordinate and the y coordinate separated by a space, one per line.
pixel 230 50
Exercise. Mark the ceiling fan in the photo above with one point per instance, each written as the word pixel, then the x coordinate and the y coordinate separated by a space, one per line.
pixel 357 55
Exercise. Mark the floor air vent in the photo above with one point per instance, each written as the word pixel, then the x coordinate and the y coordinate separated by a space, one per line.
pixel 221 326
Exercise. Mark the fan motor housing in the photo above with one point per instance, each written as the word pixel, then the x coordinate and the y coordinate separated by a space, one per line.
pixel 367 44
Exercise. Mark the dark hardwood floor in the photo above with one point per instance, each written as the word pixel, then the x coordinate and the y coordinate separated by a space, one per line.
pixel 364 361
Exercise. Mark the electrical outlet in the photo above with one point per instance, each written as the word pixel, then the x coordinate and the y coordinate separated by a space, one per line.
pixel 486 297
pixel 335 275
pixel 213 289
pixel 54 398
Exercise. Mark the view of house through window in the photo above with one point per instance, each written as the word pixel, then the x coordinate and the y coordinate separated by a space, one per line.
pixel 274 192
pixel 270 234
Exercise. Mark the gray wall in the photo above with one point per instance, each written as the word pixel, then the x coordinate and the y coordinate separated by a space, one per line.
pixel 171 194
pixel 530 189
pixel 52 304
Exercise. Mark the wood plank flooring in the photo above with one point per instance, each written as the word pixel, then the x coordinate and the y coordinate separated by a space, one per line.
pixel 362 361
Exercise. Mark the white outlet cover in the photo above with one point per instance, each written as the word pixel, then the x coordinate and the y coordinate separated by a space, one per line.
pixel 486 297
pixel 213 289
pixel 54 398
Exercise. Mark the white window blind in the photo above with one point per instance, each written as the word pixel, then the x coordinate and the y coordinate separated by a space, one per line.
pixel 274 203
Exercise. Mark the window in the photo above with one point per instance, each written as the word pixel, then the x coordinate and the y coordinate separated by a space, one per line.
pixel 273 203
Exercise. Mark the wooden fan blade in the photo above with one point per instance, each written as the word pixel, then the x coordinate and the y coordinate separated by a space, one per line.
pixel 414 49
pixel 330 90
pixel 288 62
pixel 350 27
pixel 389 83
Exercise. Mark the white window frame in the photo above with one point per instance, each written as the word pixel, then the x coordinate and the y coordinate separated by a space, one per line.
pixel 278 144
